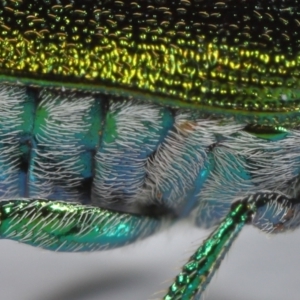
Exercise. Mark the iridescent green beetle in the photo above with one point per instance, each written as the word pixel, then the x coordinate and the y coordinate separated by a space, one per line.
pixel 120 117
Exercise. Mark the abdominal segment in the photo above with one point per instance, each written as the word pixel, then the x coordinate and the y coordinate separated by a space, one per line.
pixel 138 157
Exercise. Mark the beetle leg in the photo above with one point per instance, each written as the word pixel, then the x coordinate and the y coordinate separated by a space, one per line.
pixel 270 212
pixel 64 226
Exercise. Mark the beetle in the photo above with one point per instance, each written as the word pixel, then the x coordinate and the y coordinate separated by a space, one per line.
pixel 119 118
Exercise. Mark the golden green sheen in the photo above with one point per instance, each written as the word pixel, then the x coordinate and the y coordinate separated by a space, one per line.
pixel 232 55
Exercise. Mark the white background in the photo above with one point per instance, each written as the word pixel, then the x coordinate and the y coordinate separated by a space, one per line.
pixel 258 267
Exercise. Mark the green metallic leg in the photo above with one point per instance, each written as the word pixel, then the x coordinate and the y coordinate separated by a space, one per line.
pixel 63 226
pixel 271 212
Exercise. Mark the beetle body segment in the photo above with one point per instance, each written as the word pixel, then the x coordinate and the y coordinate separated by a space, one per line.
pixel 135 157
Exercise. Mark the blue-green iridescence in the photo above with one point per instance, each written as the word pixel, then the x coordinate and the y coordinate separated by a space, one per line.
pixel 120 115
pixel 62 226
pixel 135 157
pixel 234 58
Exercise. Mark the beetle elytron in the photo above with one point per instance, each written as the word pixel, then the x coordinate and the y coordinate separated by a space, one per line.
pixel 119 117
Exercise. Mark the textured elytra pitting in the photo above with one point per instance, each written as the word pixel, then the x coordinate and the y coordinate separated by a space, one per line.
pixel 132 156
pixel 222 57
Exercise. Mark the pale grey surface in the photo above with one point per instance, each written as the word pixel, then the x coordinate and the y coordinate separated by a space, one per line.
pixel 257 267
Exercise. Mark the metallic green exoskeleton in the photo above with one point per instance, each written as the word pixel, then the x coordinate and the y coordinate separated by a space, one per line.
pixel 120 117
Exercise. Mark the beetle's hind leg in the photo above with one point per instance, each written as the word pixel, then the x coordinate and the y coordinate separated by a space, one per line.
pixel 65 226
pixel 269 211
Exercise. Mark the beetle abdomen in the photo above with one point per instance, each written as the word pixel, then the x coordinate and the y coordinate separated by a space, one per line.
pixel 132 156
